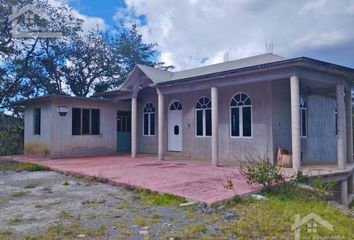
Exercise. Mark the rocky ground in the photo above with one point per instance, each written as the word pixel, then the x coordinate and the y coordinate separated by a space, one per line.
pixel 47 204
pixel 40 204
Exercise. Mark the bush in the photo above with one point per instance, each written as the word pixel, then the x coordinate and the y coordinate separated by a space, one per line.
pixel 261 171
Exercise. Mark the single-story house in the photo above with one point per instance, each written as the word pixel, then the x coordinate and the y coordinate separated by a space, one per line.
pixel 221 112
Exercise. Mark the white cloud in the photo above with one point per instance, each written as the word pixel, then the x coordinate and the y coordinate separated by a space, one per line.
pixel 89 21
pixel 193 33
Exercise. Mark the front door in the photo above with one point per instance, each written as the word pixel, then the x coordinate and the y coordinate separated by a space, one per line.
pixel 123 131
pixel 175 127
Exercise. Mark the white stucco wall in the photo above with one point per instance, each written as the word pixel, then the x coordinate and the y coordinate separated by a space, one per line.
pixel 39 145
pixel 56 139
pixel 231 149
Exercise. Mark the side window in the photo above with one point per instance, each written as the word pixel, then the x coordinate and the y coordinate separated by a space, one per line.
pixel 203 117
pixel 149 120
pixel 241 116
pixel 85 121
pixel 37 121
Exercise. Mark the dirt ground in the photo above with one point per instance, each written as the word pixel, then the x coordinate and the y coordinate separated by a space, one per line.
pixel 45 204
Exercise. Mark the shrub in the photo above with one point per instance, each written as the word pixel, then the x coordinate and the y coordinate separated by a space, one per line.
pixel 261 171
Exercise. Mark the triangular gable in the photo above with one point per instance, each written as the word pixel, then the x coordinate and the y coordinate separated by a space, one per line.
pixel 143 76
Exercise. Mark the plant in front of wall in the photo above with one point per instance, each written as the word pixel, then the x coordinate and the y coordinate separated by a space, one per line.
pixel 259 170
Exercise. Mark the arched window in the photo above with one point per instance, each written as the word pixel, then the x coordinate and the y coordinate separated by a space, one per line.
pixel 176 105
pixel 241 115
pixel 149 120
pixel 303 117
pixel 203 117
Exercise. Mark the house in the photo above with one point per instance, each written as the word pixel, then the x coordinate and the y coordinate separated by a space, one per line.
pixel 218 113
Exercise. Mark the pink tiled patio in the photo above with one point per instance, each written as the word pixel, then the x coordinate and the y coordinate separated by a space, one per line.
pixel 193 180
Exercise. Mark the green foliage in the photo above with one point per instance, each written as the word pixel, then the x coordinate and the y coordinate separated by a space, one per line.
pixel 8 165
pixel 11 135
pixel 260 171
pixel 155 198
pixel 323 189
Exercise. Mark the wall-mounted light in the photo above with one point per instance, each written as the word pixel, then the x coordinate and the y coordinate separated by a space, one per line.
pixel 62 110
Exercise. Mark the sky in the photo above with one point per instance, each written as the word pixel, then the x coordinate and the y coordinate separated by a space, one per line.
pixel 193 33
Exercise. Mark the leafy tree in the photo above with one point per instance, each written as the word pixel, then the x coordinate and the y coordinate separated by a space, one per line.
pixel 88 63
pixel 129 49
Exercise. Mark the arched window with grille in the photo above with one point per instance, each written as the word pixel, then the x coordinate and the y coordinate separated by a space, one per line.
pixel 149 120
pixel 203 117
pixel 241 116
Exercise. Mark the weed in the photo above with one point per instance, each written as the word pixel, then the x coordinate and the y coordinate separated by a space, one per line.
pixel 65 215
pixel 155 198
pixel 194 232
pixel 38 206
pixel 66 183
pixel 9 165
pixel 32 184
pixel 141 221
pixel 14 221
pixel 323 189
pixel 19 194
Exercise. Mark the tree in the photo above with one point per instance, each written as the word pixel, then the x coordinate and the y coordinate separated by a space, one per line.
pixel 20 58
pixel 88 65
pixel 129 49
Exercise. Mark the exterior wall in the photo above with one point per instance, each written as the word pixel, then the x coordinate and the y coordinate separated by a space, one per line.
pixel 321 142
pixel 281 114
pixel 56 131
pixel 146 144
pixel 38 145
pixel 231 149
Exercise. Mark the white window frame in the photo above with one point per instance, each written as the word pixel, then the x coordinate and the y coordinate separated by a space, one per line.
pixel 240 109
pixel 149 118
pixel 204 119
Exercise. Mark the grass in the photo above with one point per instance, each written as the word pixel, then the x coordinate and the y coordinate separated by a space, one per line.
pixel 154 198
pixel 19 194
pixel 272 219
pixel 9 165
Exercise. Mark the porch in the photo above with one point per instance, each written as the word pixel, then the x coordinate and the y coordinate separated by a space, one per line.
pixel 194 180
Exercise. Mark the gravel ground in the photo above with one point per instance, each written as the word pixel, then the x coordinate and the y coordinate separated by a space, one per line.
pixel 37 205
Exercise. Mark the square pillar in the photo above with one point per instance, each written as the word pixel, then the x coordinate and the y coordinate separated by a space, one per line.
pixel 134 126
pixel 349 125
pixel 295 122
pixel 214 127
pixel 341 138
pixel 344 192
pixel 351 184
pixel 160 152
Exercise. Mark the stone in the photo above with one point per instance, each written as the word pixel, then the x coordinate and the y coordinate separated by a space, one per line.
pixel 221 208
pixel 146 227
pixel 230 215
pixel 81 235
pixel 144 232
pixel 258 197
pixel 186 204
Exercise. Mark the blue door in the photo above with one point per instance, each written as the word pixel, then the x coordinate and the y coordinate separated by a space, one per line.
pixel 123 131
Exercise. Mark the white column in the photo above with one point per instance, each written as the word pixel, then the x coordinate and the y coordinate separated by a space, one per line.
pixel 134 126
pixel 160 126
pixel 214 129
pixel 341 138
pixel 349 125
pixel 344 192
pixel 295 122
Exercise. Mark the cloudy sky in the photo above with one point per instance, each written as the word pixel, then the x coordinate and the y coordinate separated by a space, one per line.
pixel 193 33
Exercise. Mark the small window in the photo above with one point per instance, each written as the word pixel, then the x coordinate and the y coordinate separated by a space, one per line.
pixel 37 121
pixel 203 117
pixel 241 116
pixel 85 121
pixel 149 120
pixel 303 118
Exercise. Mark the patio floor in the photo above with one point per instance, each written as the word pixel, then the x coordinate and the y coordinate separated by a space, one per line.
pixel 193 180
